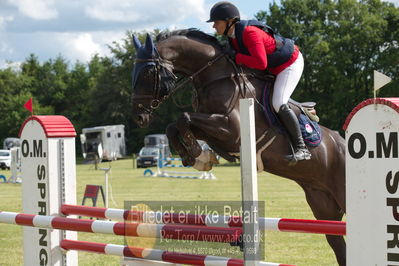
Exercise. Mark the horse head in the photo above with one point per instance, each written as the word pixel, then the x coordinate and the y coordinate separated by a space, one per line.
pixel 189 52
pixel 152 79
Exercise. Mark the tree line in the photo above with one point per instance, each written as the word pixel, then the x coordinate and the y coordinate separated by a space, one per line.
pixel 342 43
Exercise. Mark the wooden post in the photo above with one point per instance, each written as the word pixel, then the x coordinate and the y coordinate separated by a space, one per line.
pixel 249 183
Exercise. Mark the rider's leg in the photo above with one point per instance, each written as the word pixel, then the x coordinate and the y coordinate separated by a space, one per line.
pixel 290 122
pixel 284 86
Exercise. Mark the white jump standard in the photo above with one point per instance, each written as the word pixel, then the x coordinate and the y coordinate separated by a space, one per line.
pixel 48 170
pixel 372 175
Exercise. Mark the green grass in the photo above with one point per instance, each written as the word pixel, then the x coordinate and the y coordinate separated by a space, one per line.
pixel 283 198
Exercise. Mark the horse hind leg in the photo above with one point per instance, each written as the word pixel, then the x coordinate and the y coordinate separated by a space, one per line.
pixel 324 207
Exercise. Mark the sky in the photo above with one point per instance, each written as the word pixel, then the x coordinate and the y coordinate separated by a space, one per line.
pixel 78 29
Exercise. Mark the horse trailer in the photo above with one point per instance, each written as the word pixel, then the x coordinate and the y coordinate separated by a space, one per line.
pixel 103 142
pixel 9 143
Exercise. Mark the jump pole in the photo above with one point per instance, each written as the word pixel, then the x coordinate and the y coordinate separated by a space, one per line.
pixel 372 182
pixel 249 182
pixel 265 223
pixel 47 150
pixel 160 231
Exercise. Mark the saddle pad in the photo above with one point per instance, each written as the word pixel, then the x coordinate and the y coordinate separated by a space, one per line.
pixel 270 114
pixel 310 130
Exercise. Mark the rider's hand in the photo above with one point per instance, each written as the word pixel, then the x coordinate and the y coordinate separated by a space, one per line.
pixel 230 53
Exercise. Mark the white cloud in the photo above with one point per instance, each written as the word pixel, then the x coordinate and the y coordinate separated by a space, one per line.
pixel 4 20
pixel 13 65
pixel 5 48
pixel 142 11
pixel 36 9
pixel 79 46
pixel 395 2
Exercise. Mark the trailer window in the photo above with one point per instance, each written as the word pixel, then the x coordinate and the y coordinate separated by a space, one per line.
pixel 93 135
pixel 119 135
pixel 108 134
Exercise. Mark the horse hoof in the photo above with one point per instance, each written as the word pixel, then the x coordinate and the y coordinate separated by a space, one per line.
pixel 201 166
pixel 212 157
pixel 205 161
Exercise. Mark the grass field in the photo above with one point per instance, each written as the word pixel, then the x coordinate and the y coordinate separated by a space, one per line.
pixel 283 198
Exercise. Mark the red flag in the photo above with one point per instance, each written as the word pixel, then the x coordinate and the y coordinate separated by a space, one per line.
pixel 28 105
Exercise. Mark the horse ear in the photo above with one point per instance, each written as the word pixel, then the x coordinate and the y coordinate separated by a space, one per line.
pixel 136 42
pixel 149 44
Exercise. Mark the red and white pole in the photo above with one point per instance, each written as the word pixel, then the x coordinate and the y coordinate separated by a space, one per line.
pixel 271 224
pixel 156 254
pixel 162 231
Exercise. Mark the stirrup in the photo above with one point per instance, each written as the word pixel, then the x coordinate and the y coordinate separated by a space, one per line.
pixel 299 155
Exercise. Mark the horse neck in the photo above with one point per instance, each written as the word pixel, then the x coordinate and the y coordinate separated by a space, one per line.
pixel 186 55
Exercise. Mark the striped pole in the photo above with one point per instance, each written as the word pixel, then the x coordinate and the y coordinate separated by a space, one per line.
pixel 272 224
pixel 166 231
pixel 155 254
pixel 163 162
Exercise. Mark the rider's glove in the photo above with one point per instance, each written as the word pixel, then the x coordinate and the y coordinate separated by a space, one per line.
pixel 230 53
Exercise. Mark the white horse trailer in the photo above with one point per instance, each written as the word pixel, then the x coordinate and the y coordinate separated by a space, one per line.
pixel 103 142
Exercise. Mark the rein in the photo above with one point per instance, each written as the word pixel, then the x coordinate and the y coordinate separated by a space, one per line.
pixel 191 77
pixel 156 99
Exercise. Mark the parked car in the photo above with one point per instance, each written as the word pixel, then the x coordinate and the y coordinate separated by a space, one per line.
pixel 5 159
pixel 148 156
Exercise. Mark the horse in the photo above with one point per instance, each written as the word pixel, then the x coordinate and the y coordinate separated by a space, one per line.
pixel 218 85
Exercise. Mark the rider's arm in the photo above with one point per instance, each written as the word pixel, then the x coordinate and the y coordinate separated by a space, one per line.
pixel 256 41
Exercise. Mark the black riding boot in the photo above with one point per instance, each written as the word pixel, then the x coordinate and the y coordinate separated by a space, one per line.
pixel 290 121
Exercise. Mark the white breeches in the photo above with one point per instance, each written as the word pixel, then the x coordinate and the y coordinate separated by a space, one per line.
pixel 286 82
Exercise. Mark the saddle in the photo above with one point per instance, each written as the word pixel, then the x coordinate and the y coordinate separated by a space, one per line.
pixel 308 108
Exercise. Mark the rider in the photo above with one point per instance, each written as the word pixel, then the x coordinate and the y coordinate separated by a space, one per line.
pixel 257 46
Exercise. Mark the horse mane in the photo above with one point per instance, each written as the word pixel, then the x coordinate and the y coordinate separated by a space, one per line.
pixel 190 33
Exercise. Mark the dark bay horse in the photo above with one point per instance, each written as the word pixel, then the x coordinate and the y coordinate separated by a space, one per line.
pixel 219 84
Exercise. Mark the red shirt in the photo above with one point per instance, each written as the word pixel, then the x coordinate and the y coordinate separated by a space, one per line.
pixel 260 43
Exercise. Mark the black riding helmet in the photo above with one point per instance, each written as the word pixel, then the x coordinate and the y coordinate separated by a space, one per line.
pixel 223 11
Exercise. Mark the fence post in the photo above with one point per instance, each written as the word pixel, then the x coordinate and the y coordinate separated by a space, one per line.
pixel 249 183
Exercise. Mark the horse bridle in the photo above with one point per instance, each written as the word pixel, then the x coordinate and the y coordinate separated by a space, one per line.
pixel 161 65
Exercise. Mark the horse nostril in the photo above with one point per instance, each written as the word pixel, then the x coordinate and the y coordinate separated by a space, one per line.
pixel 141 119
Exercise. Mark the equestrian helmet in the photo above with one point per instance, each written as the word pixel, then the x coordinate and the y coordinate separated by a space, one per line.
pixel 223 11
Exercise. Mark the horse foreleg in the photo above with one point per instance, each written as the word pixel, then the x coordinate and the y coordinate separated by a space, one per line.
pixel 217 129
pixel 187 136
pixel 174 140
pixel 324 207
